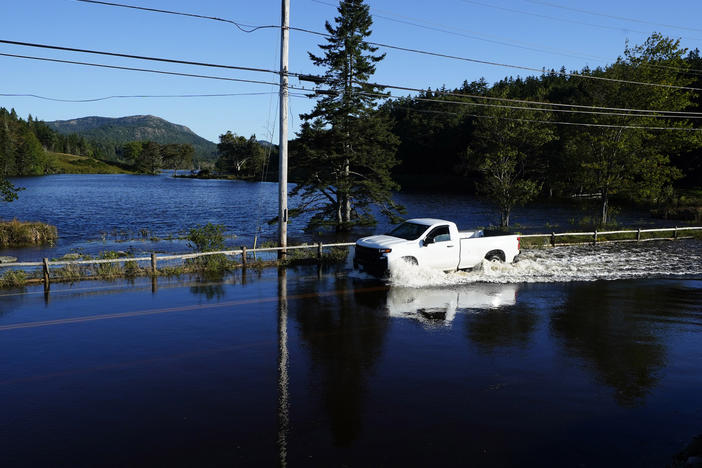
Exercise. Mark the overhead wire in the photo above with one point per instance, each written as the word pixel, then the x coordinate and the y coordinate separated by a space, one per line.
pixel 605 15
pixel 538 109
pixel 138 57
pixel 664 113
pixel 147 70
pixel 241 26
pixel 134 96
pixel 557 122
pixel 453 57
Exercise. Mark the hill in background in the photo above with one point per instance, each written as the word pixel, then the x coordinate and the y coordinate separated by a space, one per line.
pixel 110 134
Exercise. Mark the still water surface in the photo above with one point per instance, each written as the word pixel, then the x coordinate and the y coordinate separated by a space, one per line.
pixel 95 213
pixel 329 368
pixel 575 356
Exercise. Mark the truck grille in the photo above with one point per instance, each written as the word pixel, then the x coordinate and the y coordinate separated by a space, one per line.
pixel 366 254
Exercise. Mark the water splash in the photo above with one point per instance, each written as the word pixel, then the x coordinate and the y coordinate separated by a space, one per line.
pixel 569 263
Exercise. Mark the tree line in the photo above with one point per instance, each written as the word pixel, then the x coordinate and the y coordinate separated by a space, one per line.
pixel 503 141
pixel 149 157
pixel 24 147
pixel 513 153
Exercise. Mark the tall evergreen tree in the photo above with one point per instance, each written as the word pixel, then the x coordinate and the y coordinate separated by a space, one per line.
pixel 346 149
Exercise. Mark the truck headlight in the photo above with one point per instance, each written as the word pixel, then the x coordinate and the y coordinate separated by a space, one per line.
pixel 384 251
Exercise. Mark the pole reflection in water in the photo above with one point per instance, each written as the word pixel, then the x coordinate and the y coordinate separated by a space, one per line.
pixel 283 395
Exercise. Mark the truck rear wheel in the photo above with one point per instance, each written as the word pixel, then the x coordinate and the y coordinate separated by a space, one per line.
pixel 495 256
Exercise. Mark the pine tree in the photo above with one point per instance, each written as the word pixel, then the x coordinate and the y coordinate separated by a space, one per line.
pixel 346 149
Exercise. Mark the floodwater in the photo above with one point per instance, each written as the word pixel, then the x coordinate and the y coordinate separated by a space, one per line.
pixel 576 356
pixel 95 213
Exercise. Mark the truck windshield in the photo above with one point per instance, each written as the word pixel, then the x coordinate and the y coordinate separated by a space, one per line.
pixel 408 231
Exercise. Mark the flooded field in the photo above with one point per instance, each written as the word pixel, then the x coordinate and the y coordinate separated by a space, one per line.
pixel 576 356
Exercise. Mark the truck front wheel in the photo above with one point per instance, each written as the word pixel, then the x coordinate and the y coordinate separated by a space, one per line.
pixel 410 261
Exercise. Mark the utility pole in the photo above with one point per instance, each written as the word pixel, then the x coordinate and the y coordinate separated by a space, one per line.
pixel 283 146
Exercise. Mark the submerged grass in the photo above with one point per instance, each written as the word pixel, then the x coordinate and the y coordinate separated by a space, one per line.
pixel 13 279
pixel 21 233
pixel 221 264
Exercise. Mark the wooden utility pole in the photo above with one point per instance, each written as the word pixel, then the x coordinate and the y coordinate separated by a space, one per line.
pixel 283 146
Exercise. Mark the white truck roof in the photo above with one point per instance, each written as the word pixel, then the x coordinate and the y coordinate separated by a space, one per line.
pixel 427 221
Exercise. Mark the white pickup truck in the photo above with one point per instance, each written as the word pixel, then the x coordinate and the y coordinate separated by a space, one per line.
pixel 432 243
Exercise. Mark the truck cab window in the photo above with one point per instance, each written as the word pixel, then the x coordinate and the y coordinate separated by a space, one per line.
pixel 439 234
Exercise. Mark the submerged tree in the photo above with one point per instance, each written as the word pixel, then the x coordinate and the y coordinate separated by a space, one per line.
pixel 345 148
pixel 243 157
pixel 504 141
pixel 626 153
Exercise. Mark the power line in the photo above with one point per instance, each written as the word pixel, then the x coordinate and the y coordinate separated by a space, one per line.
pixel 242 27
pixel 556 122
pixel 538 109
pixel 594 13
pixel 139 57
pixel 264 70
pixel 512 43
pixel 454 57
pixel 378 85
pixel 270 83
pixel 555 18
pixel 525 101
pixel 147 70
pixel 121 96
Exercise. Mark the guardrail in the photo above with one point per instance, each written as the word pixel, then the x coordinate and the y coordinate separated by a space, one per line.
pixel 595 234
pixel 244 253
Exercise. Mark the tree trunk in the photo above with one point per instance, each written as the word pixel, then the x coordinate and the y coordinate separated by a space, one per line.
pixel 347 197
pixel 504 218
pixel 605 204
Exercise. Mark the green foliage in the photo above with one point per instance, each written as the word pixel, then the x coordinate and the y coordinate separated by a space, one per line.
pixel 245 158
pixel 502 144
pixel 13 279
pixel 71 164
pixel 345 150
pixel 614 163
pixel 109 135
pixel 208 238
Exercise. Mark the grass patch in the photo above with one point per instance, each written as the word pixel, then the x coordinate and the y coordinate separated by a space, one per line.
pixel 63 163
pixel 13 279
pixel 21 233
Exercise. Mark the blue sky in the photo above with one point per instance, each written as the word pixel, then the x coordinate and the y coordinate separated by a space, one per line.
pixel 533 33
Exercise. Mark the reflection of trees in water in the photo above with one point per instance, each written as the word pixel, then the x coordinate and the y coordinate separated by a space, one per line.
pixel 490 329
pixel 210 286
pixel 598 324
pixel 344 334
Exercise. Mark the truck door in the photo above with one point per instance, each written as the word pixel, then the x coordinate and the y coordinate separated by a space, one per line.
pixel 439 250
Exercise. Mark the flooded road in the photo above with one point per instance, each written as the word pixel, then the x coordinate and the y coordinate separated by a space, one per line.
pixel 553 361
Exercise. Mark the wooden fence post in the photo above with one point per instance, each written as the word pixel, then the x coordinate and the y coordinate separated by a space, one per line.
pixel 153 263
pixel 319 251
pixel 553 239
pixel 45 268
pixel 594 237
pixel 638 235
pixel 243 256
pixel 675 233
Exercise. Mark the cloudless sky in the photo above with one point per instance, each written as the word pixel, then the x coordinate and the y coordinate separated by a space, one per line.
pixel 533 33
